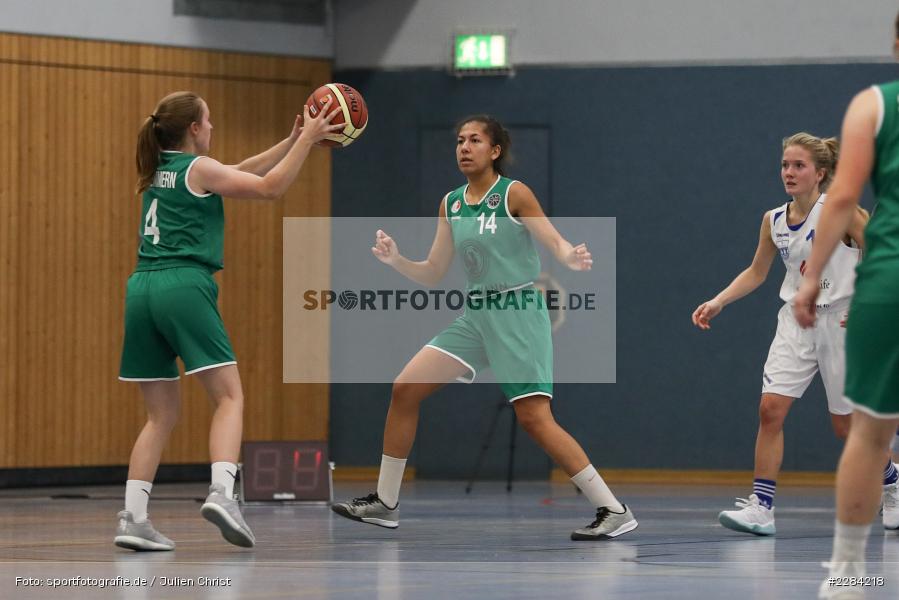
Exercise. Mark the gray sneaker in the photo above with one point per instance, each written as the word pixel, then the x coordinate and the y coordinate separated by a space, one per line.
pixel 224 513
pixel 607 525
pixel 139 536
pixel 369 509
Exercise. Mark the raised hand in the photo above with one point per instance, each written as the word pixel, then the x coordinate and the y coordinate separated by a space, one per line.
pixel 385 249
pixel 579 259
pixel 317 128
pixel 297 128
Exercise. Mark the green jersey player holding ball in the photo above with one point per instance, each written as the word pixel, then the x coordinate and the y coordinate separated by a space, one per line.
pixel 171 299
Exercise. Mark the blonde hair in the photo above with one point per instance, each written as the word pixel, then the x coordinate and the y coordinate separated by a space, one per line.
pixel 825 153
pixel 164 130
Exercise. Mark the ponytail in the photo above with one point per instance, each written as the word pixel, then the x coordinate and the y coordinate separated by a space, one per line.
pixel 164 130
pixel 833 148
pixel 147 154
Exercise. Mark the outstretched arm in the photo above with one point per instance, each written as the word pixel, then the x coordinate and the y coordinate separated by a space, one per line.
pixel 744 283
pixel 210 175
pixel 856 163
pixel 523 205
pixel 262 163
pixel 426 272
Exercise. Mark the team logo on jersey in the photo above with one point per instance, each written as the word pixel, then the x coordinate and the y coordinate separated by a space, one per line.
pixel 802 268
pixel 783 246
pixel 475 259
pixel 456 206
pixel 810 236
pixel 493 200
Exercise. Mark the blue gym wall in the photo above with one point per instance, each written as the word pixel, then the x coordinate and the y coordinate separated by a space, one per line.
pixel 687 160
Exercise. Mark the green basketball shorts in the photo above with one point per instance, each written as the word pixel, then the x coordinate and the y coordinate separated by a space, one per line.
pixel 509 332
pixel 170 313
pixel 872 359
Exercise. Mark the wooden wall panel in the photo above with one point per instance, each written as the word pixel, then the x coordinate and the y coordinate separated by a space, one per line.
pixel 9 257
pixel 69 112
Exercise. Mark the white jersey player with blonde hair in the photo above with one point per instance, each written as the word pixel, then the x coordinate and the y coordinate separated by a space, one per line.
pixel 796 354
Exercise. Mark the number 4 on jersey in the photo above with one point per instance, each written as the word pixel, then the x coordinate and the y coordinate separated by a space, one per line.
pixel 490 223
pixel 150 227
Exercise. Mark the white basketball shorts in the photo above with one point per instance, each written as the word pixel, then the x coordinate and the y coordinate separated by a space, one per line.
pixel 796 354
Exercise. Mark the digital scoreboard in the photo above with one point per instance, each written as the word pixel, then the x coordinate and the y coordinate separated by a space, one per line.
pixel 285 471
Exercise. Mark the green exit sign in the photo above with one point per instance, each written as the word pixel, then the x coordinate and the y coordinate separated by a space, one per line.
pixel 481 53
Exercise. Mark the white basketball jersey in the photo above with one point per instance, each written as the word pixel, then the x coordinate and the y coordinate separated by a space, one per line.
pixel 794 242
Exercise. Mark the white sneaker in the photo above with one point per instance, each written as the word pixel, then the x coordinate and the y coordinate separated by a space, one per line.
pixel 891 506
pixel 753 517
pixel 139 536
pixel 369 509
pixel 224 513
pixel 842 571
pixel 607 525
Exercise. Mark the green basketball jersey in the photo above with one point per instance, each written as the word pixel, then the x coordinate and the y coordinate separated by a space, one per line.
pixel 878 273
pixel 178 226
pixel 495 248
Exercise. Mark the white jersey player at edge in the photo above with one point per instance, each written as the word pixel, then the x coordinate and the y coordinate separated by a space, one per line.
pixel 796 354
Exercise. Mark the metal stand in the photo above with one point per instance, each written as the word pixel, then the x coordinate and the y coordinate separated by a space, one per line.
pixel 488 438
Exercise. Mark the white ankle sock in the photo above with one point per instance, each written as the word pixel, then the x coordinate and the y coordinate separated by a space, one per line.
pixel 849 542
pixel 225 473
pixel 596 490
pixel 137 495
pixel 390 479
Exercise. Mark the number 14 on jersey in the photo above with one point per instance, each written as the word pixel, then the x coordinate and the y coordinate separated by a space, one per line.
pixel 489 223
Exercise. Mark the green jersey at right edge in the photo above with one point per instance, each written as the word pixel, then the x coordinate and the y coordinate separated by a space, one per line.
pixel 878 273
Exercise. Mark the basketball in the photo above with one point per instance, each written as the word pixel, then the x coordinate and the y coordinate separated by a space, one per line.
pixel 354 112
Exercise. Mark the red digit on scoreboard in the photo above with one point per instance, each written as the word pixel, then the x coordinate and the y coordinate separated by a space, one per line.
pixel 305 469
